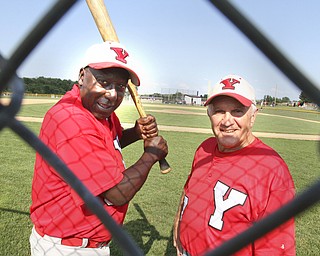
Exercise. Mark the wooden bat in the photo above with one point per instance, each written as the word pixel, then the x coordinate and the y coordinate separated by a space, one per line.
pixel 101 17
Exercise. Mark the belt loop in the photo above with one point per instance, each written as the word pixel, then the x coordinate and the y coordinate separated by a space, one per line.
pixel 84 242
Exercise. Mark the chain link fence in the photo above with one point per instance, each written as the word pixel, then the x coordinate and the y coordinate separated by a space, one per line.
pixel 9 79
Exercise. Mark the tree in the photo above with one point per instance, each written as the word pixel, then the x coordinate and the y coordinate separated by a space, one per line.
pixel 268 98
pixel 44 85
pixel 285 100
pixel 304 98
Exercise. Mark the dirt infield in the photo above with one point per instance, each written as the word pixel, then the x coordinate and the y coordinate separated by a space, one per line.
pixel 203 130
pixel 26 101
pixel 176 110
pixel 183 112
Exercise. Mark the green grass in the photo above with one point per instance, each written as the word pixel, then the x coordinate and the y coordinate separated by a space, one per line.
pixel 278 124
pixel 35 110
pixel 15 178
pixel 293 112
pixel 263 123
pixel 151 212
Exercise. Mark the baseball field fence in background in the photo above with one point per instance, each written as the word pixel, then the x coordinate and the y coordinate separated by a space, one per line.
pixel 9 79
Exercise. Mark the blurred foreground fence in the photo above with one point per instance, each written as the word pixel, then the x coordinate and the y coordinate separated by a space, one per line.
pixel 9 79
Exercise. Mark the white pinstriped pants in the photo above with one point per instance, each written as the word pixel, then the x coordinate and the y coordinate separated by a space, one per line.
pixel 51 246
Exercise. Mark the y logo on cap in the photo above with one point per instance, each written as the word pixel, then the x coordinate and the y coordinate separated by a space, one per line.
pixel 121 54
pixel 228 83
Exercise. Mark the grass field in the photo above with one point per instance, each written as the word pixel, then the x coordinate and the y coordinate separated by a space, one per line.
pixel 151 212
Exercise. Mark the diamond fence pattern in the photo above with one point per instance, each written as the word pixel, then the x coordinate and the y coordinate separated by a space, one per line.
pixel 82 185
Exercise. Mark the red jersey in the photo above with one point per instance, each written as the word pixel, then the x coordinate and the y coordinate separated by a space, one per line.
pixel 90 148
pixel 228 192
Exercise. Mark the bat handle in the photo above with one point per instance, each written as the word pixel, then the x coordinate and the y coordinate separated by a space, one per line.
pixel 164 166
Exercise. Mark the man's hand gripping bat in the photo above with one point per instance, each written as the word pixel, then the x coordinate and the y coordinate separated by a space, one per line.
pixel 108 33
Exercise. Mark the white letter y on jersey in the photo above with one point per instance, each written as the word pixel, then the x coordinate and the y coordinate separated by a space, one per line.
pixel 221 206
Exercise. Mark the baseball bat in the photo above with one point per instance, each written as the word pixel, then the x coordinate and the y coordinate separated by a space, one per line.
pixel 101 17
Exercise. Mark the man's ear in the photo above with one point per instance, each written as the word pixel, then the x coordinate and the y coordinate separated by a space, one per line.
pixel 253 116
pixel 81 76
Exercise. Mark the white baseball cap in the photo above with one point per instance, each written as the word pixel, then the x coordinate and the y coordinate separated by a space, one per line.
pixel 233 86
pixel 110 55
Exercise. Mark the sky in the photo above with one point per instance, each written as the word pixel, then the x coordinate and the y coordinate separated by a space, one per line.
pixel 177 45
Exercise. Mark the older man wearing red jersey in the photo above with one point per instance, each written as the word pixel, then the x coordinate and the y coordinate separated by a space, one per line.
pixel 235 180
pixel 84 131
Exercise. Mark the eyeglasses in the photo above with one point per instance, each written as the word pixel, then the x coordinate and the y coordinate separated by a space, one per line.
pixel 99 77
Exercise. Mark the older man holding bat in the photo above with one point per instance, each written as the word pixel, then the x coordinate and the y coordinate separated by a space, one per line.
pixel 108 33
pixel 84 131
